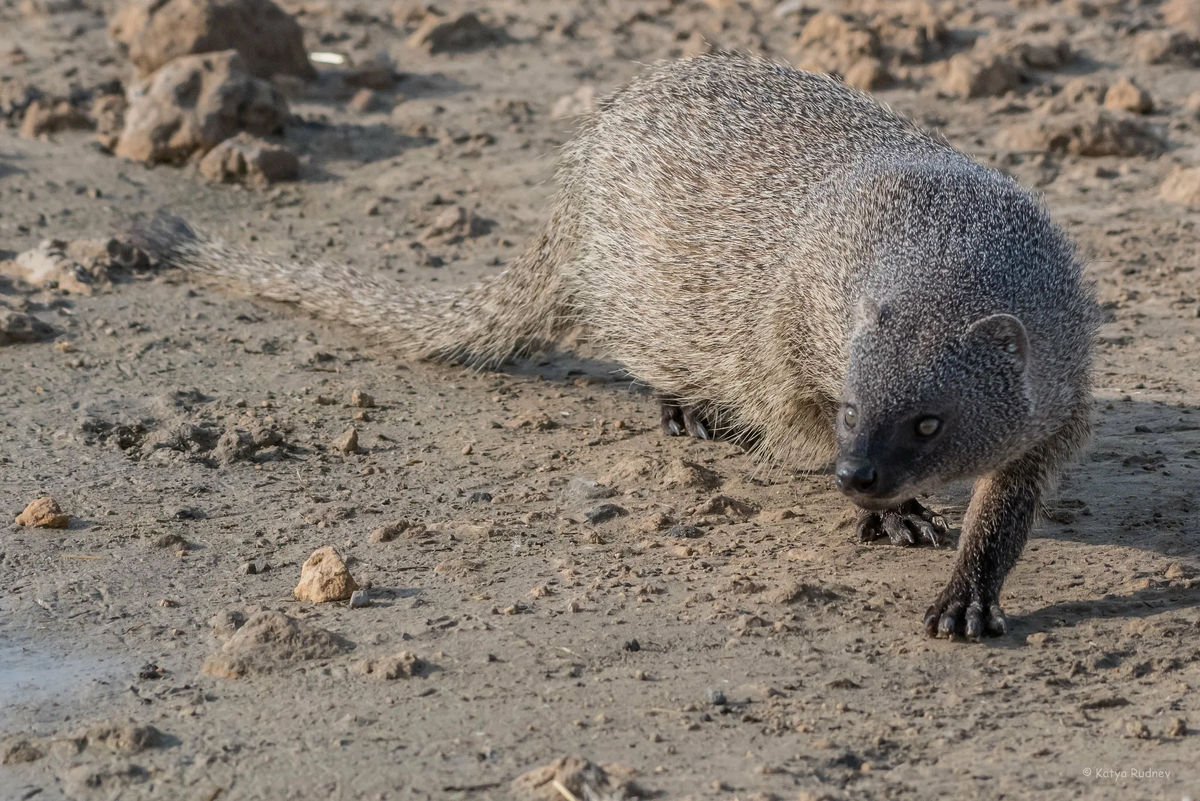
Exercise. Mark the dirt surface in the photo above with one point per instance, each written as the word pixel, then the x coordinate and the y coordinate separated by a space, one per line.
pixel 717 629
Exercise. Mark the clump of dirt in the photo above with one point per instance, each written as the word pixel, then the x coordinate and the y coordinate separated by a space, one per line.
pixel 271 641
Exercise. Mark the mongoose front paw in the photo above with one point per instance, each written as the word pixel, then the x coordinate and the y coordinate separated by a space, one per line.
pixel 678 419
pixel 908 524
pixel 965 612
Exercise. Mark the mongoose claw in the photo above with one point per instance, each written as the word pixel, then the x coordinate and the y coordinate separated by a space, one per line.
pixel 907 525
pixel 955 614
pixel 677 419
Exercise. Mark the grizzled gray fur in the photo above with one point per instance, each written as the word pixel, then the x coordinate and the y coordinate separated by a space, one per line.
pixel 790 264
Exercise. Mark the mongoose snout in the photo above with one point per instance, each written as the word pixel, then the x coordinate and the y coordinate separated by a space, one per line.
pixel 790 264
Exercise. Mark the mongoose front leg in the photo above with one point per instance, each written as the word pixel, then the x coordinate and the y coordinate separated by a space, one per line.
pixel 997 524
pixel 908 524
pixel 678 418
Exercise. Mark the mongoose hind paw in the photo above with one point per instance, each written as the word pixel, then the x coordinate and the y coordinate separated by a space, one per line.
pixel 967 614
pixel 678 419
pixel 907 525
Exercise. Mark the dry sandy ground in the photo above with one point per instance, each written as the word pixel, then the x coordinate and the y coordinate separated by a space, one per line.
pixel 542 636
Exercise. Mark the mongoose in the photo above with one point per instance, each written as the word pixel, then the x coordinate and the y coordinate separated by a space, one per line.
pixel 787 262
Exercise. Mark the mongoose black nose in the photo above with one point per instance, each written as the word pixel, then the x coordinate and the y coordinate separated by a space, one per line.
pixel 855 477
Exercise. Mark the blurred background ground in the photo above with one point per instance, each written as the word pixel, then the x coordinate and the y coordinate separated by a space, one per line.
pixel 702 626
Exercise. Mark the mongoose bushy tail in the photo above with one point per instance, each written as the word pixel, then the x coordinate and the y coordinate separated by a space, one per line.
pixel 521 310
pixel 788 262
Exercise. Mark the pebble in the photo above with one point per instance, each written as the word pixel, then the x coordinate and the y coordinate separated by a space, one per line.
pixel 359 599
pixel 347 443
pixel 255 566
pixel 1125 95
pixel 388 668
pixel 324 578
pixel 362 399
pixel 583 489
pixel 715 697
pixel 603 513
pixel 684 532
pixel 43 513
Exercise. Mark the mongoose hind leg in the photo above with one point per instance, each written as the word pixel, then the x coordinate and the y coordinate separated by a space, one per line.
pixel 910 523
pixel 678 419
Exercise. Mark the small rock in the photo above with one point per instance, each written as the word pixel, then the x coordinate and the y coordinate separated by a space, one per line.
pixel 1083 90
pixel 364 102
pixel 1125 95
pixel 1176 571
pixel 1177 727
pixel 1167 47
pixel 250 160
pixel 194 103
pixel 19 750
pixel 726 505
pixel 604 512
pixel 982 75
pixel 1087 133
pixel 579 777
pixel 348 442
pixel 226 623
pixel 1183 14
pixel 362 399
pixel 388 668
pixel 359 599
pixel 868 74
pixel 171 540
pixel 268 641
pixel 715 697
pixel 43 513
pixel 450 226
pixel 156 32
pixel 1039 639
pixel 52 115
pixel 1135 728
pixel 539 421
pixel 255 566
pixel 392 530
pixel 108 117
pixel 833 43
pixel 582 489
pixel 465 32
pixel 682 474
pixel 70 267
pixel 684 532
pixel 800 591
pixel 18 329
pixel 1182 186
pixel 632 646
pixel 122 737
pixel 324 578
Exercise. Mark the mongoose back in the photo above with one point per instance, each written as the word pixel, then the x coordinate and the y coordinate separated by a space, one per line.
pixel 789 263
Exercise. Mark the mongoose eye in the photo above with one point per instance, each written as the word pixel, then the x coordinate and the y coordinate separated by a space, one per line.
pixel 849 416
pixel 928 426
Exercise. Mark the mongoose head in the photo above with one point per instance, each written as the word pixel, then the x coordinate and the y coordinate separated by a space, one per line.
pixel 922 409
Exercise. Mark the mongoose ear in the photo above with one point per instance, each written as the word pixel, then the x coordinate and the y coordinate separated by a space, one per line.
pixel 1002 331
